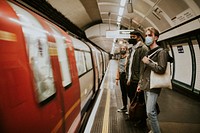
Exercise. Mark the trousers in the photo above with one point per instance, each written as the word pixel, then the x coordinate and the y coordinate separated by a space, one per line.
pixel 151 100
pixel 123 88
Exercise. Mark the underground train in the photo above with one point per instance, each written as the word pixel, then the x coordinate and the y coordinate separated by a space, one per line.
pixel 47 76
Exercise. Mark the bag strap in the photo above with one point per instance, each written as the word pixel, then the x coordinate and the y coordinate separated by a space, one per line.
pixel 154 52
pixel 136 97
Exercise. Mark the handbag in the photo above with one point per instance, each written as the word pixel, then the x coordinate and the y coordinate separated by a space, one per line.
pixel 137 109
pixel 160 80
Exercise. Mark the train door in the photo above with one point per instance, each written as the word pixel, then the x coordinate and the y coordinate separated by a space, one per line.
pixel 70 84
pixel 98 55
pixel 96 73
pixel 85 72
pixel 104 62
pixel 101 65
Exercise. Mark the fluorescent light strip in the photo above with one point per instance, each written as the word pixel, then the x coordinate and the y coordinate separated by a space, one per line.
pixel 119 19
pixel 122 3
pixel 121 11
pixel 118 23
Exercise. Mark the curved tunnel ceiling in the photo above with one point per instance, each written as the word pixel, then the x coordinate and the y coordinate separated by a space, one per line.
pixel 158 13
pixel 161 14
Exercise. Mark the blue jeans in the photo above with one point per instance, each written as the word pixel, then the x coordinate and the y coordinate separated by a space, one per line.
pixel 151 99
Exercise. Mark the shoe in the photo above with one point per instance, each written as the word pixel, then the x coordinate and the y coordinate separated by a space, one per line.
pixel 126 113
pixel 140 123
pixel 123 109
pixel 150 131
pixel 128 119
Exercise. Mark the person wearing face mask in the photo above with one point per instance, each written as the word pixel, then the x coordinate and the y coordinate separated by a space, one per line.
pixel 121 76
pixel 139 50
pixel 160 56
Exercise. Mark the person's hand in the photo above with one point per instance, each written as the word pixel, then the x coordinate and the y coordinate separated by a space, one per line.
pixel 116 82
pixel 145 60
pixel 128 83
pixel 138 88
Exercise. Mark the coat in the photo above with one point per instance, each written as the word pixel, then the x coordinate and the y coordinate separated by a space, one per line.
pixel 137 63
pixel 161 57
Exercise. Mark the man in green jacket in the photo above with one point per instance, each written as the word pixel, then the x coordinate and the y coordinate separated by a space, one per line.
pixel 139 50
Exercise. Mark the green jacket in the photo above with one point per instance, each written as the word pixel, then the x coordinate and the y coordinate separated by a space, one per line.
pixel 137 64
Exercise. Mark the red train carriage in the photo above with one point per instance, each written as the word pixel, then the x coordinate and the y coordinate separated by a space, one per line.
pixel 39 86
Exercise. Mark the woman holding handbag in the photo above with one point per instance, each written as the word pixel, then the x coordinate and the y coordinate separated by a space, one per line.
pixel 151 94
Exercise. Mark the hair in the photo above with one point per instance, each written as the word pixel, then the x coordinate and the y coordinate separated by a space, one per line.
pixel 137 33
pixel 153 30
pixel 123 45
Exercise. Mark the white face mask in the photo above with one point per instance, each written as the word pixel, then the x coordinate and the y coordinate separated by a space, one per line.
pixel 149 40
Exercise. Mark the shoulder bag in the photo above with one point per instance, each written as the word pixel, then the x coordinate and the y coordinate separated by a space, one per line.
pixel 160 80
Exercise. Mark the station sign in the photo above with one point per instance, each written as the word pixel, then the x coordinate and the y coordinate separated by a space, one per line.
pixel 118 33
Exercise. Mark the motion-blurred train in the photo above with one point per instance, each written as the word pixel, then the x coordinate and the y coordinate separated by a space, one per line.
pixel 47 77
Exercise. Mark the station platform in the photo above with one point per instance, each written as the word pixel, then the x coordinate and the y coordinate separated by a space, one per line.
pixel 178 113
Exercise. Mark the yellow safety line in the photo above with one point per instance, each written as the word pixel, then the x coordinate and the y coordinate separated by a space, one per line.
pixel 66 115
pixel 106 114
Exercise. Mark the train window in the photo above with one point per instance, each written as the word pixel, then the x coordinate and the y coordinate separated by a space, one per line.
pixel 37 49
pixel 64 62
pixel 42 69
pixel 98 63
pixel 88 60
pixel 62 56
pixel 80 61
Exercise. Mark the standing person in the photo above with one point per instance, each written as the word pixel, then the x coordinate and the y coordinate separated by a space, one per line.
pixel 152 94
pixel 139 50
pixel 121 76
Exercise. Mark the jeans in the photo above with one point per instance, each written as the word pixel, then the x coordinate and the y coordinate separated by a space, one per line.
pixel 151 99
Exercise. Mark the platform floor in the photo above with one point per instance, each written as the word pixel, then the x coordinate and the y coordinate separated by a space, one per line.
pixel 179 114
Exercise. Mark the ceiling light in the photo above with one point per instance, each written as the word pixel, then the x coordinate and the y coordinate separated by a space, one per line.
pixel 121 11
pixel 122 3
pixel 119 18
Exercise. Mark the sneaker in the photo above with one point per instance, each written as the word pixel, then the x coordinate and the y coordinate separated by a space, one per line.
pixel 128 119
pixel 123 109
pixel 150 131
pixel 126 113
